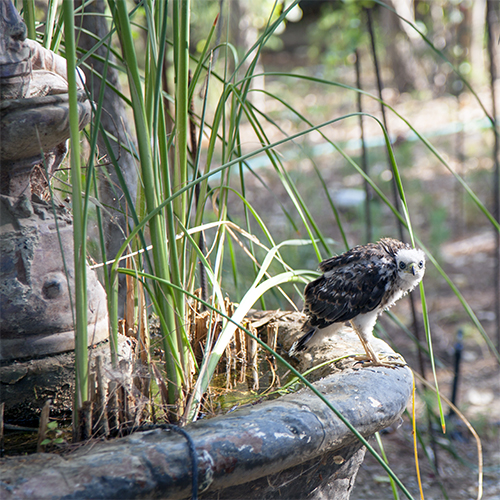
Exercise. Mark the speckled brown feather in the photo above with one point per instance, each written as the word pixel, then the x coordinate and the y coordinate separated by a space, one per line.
pixel 340 293
pixel 356 287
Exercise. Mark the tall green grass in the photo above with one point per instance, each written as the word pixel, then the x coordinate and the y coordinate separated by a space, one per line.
pixel 79 218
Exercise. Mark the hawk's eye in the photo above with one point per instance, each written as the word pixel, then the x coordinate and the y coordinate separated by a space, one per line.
pixel 421 264
pixel 402 265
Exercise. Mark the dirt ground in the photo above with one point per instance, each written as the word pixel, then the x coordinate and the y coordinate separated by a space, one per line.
pixel 458 479
pixel 456 452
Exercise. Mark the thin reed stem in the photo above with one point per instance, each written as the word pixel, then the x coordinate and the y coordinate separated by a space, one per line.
pixel 79 227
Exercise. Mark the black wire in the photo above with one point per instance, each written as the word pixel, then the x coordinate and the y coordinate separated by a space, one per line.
pixel 192 452
pixel 459 347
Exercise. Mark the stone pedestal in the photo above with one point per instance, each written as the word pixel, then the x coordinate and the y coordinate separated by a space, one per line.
pixel 25 385
pixel 37 273
pixel 37 281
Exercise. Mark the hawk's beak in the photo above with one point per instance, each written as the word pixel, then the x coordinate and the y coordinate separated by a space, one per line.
pixel 412 268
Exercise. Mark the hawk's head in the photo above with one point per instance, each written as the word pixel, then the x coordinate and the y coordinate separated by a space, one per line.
pixel 410 264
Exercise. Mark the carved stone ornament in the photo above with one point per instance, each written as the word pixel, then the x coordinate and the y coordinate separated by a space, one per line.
pixel 36 236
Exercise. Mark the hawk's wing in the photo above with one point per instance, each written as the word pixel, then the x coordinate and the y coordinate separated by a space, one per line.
pixel 353 284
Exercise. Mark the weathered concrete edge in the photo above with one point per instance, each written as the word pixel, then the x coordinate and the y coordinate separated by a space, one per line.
pixel 232 449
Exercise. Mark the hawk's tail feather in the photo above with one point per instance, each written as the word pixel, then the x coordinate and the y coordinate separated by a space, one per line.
pixel 300 344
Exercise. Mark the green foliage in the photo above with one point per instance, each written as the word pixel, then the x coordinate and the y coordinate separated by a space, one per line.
pixel 338 33
pixel 80 211
pixel 55 435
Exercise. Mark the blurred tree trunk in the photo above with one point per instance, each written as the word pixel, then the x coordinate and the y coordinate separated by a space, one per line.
pixel 492 23
pixel 244 34
pixel 477 55
pixel 408 74
pixel 114 121
pixel 463 45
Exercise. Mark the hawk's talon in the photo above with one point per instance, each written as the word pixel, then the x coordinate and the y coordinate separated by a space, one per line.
pixel 388 360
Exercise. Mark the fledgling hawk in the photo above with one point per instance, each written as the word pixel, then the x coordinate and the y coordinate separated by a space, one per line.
pixel 358 286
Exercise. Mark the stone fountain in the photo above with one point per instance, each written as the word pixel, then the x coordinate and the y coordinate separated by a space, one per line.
pixel 36 231
pixel 291 447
